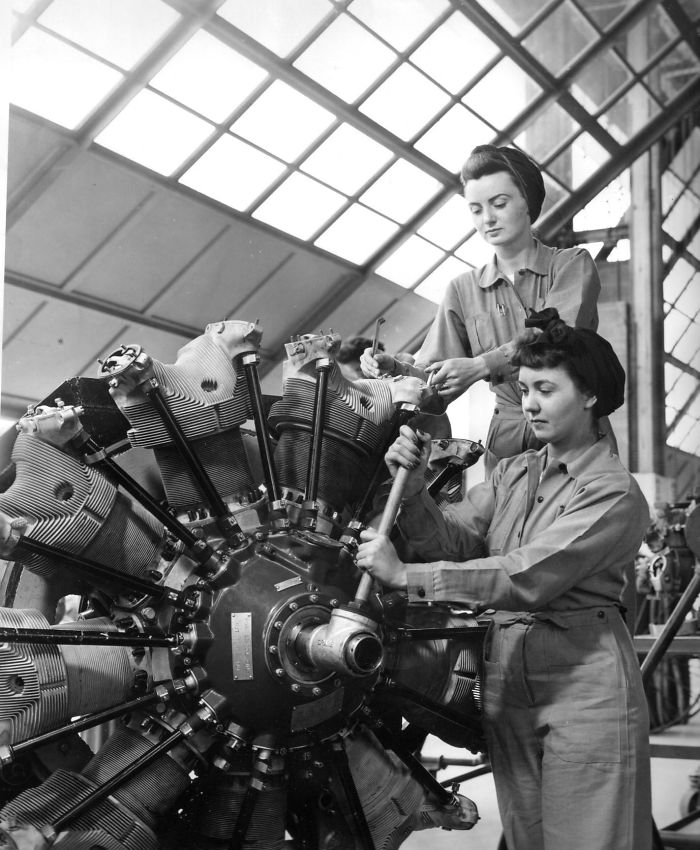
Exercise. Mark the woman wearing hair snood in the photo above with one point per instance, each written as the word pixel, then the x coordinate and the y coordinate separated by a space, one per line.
pixel 543 545
pixel 482 312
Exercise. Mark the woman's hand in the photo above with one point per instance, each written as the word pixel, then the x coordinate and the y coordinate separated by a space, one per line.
pixel 377 556
pixel 377 365
pixel 410 450
pixel 453 376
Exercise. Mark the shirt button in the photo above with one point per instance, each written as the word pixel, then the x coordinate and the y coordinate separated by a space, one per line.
pixel 540 499
pixel 600 614
pixel 495 410
pixel 421 592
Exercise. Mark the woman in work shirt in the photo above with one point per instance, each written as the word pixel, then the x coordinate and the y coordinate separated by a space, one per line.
pixel 484 310
pixel 544 542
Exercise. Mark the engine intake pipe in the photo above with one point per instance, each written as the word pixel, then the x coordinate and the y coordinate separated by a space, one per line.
pixel 346 644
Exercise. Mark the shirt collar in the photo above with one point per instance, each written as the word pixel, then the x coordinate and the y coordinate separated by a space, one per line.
pixel 594 457
pixel 537 261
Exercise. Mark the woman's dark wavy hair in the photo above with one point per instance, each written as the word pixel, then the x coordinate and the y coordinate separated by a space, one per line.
pixel 588 358
pixel 545 354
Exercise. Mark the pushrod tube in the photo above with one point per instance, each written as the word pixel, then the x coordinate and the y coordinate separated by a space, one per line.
pixel 86 722
pixel 84 637
pixel 209 492
pixel 118 779
pixel 250 366
pixel 323 367
pixel 112 470
pixel 92 570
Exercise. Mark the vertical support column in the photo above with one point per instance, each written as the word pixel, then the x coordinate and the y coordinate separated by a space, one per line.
pixel 647 424
pixel 5 28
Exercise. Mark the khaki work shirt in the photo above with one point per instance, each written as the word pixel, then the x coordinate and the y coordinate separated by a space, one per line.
pixel 482 312
pixel 533 537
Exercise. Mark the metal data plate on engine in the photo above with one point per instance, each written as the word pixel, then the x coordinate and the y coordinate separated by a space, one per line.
pixel 242 646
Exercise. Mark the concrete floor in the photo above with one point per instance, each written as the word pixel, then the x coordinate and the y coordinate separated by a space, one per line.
pixel 669 784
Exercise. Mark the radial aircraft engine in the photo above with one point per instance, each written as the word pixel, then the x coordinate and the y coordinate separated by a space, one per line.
pixel 229 678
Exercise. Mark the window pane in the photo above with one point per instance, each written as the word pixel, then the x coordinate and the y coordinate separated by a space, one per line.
pixel 401 191
pixel 347 159
pixel 434 286
pixel 512 14
pixel 278 24
pixel 357 234
pixel 646 38
pixel 554 193
pixel 410 261
pixel 120 32
pixel 598 81
pixel 443 57
pixel 606 13
pixel 55 81
pixel 683 214
pixel 502 94
pixel 546 132
pixel 689 303
pixel 677 280
pixel 405 102
pixel 560 38
pixel 194 77
pixel 449 224
pixel 475 251
pixel 675 72
pixel 675 325
pixel 282 121
pixel 608 207
pixel 579 162
pixel 332 58
pixel 233 172
pixel 400 22
pixel 630 114
pixel 450 139
pixel 154 132
pixel 300 206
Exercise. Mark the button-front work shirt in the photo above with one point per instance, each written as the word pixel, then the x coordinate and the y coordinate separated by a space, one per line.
pixel 535 536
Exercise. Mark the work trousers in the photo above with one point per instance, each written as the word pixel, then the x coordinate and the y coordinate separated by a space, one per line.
pixel 567 730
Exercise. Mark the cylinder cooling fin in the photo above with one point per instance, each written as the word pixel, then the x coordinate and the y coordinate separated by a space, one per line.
pixel 208 638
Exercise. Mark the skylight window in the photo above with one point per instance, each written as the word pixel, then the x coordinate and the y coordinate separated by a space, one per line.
pixel 278 24
pixel 53 80
pixel 405 102
pixel 454 53
pixel 434 286
pixel 546 132
pixel 449 225
pixel 119 32
pixel 475 251
pixel 630 114
pixel 233 172
pixel 154 132
pixel 677 279
pixel 209 77
pixel 503 94
pixel 608 207
pixel 576 164
pixel 410 261
pixel 400 22
pixel 300 206
pixel 332 59
pixel 401 191
pixel 565 19
pixel 452 137
pixel 283 121
pixel 357 234
pixel 347 159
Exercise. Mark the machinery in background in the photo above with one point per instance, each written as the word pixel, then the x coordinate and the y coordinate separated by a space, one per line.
pixel 257 686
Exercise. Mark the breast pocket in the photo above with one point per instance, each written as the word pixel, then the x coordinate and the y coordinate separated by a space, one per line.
pixel 488 330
